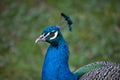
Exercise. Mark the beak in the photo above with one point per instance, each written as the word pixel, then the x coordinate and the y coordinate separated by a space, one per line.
pixel 40 38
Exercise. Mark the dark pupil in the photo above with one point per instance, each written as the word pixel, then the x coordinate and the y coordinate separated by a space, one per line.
pixel 51 34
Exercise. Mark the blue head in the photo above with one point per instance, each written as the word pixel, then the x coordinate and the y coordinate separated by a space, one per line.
pixel 51 34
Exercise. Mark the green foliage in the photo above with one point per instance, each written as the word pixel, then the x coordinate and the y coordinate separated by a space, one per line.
pixel 95 35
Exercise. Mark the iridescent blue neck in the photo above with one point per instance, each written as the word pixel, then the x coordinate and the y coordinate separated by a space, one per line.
pixel 56 63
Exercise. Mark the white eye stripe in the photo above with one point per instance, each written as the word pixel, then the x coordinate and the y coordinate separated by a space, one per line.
pixel 47 34
pixel 56 33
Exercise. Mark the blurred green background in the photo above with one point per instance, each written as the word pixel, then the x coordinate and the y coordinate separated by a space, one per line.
pixel 95 35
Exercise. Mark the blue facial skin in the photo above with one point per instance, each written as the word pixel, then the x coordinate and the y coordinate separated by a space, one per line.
pixel 55 65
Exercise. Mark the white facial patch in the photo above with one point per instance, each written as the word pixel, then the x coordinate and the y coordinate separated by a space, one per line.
pixel 47 34
pixel 55 35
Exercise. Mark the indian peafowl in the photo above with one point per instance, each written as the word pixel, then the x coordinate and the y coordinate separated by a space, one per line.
pixel 56 66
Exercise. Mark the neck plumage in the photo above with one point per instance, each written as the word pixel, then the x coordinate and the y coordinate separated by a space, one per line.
pixel 56 63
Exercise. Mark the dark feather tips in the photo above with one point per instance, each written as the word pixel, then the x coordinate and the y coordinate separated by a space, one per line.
pixel 68 19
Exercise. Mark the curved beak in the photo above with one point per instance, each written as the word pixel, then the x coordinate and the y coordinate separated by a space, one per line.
pixel 40 38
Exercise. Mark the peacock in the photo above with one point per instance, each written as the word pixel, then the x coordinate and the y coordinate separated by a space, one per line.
pixel 56 65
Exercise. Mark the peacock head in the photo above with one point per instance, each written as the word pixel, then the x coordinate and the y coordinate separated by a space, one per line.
pixel 51 34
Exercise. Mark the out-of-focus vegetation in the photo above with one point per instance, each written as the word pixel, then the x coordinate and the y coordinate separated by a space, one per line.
pixel 95 35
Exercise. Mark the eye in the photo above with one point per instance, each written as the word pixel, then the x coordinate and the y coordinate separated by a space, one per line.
pixel 52 34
